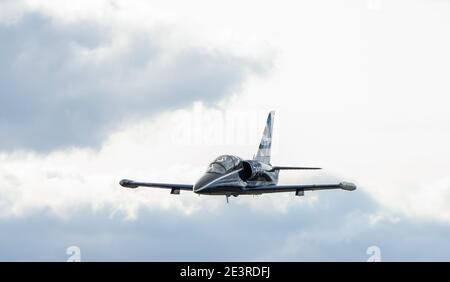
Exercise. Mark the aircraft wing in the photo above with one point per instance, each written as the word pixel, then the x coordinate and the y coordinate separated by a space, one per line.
pixel 175 187
pixel 301 188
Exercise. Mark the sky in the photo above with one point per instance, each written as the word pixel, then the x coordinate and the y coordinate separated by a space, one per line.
pixel 154 90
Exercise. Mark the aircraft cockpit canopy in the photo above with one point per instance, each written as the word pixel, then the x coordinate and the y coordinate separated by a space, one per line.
pixel 224 164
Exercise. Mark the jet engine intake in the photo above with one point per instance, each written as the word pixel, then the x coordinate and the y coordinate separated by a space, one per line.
pixel 250 169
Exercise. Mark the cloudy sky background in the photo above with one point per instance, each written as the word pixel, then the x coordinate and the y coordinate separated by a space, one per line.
pixel 106 90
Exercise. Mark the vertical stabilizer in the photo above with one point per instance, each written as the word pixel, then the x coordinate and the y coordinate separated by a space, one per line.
pixel 263 154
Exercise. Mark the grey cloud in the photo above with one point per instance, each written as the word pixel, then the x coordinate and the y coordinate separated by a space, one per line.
pixel 335 228
pixel 50 101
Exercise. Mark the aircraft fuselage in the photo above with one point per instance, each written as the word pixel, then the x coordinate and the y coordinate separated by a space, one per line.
pixel 240 179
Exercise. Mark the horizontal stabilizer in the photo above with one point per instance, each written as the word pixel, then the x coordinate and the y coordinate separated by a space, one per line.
pixel 293 168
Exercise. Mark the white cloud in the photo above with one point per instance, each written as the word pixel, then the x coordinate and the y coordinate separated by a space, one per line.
pixel 65 181
pixel 359 91
pixel 60 78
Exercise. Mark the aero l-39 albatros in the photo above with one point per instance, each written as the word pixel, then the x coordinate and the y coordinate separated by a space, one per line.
pixel 232 176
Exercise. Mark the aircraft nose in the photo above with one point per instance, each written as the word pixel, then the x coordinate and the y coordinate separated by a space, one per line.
pixel 204 181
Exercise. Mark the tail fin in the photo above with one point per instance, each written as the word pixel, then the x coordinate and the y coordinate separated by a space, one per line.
pixel 263 154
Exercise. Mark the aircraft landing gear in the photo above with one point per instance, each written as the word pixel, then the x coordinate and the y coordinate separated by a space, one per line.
pixel 227 196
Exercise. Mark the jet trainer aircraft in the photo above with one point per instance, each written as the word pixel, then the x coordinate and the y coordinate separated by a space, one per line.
pixel 232 176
